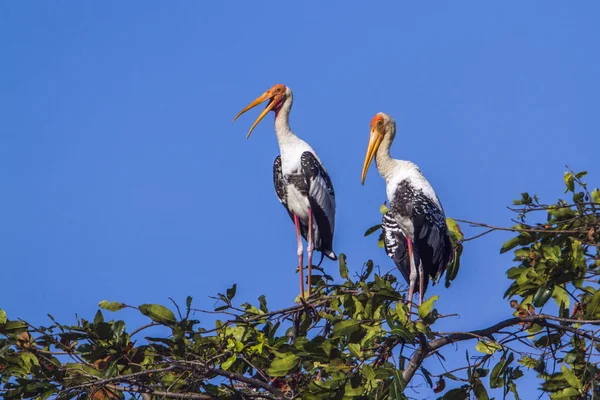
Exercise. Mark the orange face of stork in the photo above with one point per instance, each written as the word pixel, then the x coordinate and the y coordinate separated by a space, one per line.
pixel 275 95
pixel 377 133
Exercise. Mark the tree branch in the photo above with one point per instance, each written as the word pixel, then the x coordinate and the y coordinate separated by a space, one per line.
pixel 171 395
pixel 499 228
pixel 427 348
pixel 101 382
pixel 232 375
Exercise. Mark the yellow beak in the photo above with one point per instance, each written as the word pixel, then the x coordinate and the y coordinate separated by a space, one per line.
pixel 261 99
pixel 374 142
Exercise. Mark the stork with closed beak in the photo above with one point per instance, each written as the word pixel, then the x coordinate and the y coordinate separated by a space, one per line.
pixel 416 236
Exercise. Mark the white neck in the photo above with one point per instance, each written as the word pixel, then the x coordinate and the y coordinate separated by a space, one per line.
pixel 383 160
pixel 285 136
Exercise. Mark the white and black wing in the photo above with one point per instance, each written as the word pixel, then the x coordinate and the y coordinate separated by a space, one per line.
pixel 322 202
pixel 431 236
pixel 428 224
pixel 395 245
pixel 279 181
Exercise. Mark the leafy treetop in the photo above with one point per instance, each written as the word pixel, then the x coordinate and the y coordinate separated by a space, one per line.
pixel 352 339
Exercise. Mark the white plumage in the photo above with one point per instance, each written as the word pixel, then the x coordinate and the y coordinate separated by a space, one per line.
pixel 415 233
pixel 301 182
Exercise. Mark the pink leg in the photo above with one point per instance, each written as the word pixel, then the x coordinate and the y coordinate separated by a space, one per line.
pixel 413 273
pixel 310 249
pixel 421 282
pixel 300 253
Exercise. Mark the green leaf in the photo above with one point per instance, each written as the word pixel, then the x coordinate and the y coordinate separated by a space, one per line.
pixel 593 307
pixel 170 380
pixel 15 327
pixel 118 328
pixel 596 196
pixel 480 392
pixel 29 359
pixel 355 350
pixel 350 391
pixel 482 372
pixel 552 253
pixel 158 313
pixel 402 312
pixel 227 363
pixel 343 267
pixel 397 387
pixel 456 394
pixel 281 366
pixel 403 332
pixel 346 327
pixel 367 272
pixel 567 393
pixel 510 244
pixel 427 306
pixel 383 209
pixel 513 388
pixel 263 303
pixel 542 295
pixel 231 291
pixel 495 376
pixel 30 391
pixel 372 230
pixel 98 318
pixel 569 182
pixel 2 317
pixel 528 362
pixel 487 347
pixel 454 229
pixel 453 268
pixel 561 296
pixel 111 305
pixel 571 377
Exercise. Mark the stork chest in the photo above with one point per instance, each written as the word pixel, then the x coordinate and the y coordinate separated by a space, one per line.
pixel 295 182
pixel 403 199
pixel 296 195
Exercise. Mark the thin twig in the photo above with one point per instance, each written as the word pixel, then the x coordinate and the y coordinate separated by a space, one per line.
pixel 499 228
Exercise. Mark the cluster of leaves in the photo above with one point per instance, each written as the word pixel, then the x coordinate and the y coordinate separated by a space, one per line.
pixel 341 341
pixel 355 338
pixel 557 254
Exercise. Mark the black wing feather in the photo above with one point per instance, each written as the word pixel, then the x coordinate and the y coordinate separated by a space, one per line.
pixel 322 201
pixel 279 182
pixel 431 238
pixel 396 248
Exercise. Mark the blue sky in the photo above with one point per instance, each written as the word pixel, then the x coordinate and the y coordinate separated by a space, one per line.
pixel 124 179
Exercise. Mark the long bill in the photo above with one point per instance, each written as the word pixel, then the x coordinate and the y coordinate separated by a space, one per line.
pixel 261 99
pixel 374 143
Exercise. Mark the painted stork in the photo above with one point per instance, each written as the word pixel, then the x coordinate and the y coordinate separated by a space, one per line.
pixel 301 182
pixel 415 233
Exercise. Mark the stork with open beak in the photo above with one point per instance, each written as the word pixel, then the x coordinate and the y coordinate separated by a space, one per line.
pixel 301 182
pixel 416 236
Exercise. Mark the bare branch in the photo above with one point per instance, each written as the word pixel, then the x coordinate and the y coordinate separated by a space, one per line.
pixel 499 228
pixel 232 375
pixel 427 348
pixel 193 396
